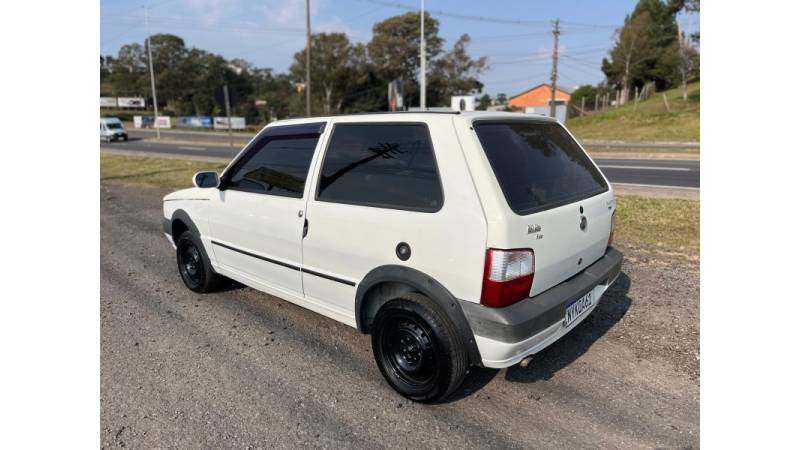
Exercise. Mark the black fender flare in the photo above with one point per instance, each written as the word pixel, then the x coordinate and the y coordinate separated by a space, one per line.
pixel 429 287
pixel 183 216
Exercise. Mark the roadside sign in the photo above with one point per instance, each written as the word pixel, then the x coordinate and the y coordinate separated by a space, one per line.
pixel 130 102
pixel 162 122
pixel 193 122
pixel 221 123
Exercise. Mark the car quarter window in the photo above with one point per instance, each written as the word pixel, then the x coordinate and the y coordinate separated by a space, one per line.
pixel 381 165
pixel 276 165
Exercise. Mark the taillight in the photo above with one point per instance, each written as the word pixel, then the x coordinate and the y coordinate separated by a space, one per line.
pixel 507 277
pixel 613 224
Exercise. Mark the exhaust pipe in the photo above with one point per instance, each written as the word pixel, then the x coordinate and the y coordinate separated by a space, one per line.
pixel 525 361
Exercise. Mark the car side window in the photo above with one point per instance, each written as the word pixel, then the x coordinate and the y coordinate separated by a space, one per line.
pixel 275 165
pixel 381 165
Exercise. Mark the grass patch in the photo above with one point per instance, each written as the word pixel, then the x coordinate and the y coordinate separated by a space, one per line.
pixel 161 172
pixel 649 123
pixel 663 225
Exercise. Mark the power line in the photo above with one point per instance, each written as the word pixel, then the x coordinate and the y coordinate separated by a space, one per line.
pixel 461 16
pixel 507 37
pixel 533 60
pixel 589 25
pixel 514 80
pixel 582 70
pixel 582 61
pixel 373 10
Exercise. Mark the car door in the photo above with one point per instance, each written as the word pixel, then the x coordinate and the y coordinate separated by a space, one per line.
pixel 256 217
pixel 377 189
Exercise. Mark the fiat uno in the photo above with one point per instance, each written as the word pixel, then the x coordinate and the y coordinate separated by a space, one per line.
pixel 453 239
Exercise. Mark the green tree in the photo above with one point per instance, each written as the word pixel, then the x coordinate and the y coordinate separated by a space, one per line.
pixel 587 92
pixel 366 89
pixel 485 102
pixel 632 52
pixel 456 73
pixel 643 44
pixel 394 49
pixel 331 62
pixel 128 71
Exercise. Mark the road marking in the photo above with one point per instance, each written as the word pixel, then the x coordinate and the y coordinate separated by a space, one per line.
pixel 661 186
pixel 200 149
pixel 679 169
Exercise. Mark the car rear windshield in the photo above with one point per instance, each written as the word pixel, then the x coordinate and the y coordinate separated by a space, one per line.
pixel 538 164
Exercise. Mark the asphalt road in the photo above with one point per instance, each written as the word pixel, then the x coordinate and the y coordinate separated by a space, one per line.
pixel 239 138
pixel 655 172
pixel 650 172
pixel 242 369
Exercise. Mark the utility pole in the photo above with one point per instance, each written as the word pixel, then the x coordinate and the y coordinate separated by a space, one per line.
pixel 152 77
pixel 308 58
pixel 422 69
pixel 228 113
pixel 554 76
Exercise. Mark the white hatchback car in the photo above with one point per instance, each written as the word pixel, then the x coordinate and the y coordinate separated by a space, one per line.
pixel 452 238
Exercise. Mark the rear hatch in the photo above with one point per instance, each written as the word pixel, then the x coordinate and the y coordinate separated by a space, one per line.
pixel 562 205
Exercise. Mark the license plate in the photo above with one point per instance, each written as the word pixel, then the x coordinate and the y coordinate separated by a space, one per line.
pixel 578 307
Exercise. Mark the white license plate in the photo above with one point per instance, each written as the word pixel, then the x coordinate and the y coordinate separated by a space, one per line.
pixel 578 307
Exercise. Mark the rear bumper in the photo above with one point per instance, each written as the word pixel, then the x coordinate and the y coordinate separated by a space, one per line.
pixel 507 335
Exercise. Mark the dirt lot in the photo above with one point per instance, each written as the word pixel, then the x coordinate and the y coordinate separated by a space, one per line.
pixel 241 369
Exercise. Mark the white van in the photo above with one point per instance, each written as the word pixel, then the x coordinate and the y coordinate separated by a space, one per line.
pixel 111 129
pixel 454 239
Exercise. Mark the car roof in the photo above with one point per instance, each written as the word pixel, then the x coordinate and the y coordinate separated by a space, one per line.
pixel 419 115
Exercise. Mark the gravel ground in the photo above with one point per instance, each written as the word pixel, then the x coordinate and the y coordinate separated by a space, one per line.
pixel 242 369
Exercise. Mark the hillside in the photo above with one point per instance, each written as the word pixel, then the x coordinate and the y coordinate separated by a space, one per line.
pixel 649 123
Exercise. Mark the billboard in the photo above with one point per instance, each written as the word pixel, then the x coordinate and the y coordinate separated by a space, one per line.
pixel 148 122
pixel 193 122
pixel 108 102
pixel 142 121
pixel 221 123
pixel 130 102
pixel 162 122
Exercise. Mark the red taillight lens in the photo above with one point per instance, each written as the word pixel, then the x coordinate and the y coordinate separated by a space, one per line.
pixel 613 224
pixel 507 277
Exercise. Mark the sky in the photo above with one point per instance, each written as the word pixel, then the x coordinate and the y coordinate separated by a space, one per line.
pixel 516 36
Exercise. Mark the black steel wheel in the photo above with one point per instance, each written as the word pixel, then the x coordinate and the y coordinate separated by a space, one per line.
pixel 417 349
pixel 194 266
pixel 407 348
pixel 190 264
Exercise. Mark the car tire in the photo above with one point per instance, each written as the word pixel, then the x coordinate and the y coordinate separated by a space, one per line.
pixel 417 349
pixel 194 265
